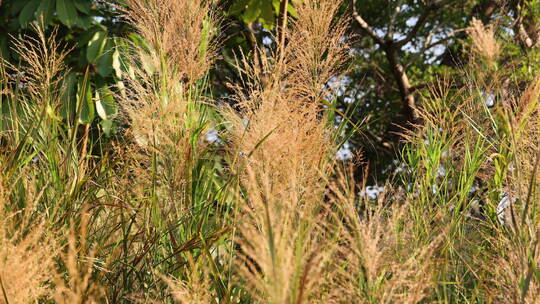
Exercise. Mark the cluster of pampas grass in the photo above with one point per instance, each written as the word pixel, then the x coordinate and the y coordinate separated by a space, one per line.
pixel 516 244
pixel 282 152
pixel 164 216
pixel 512 175
pixel 33 252
pixel 474 162
pixel 380 259
pixel 26 255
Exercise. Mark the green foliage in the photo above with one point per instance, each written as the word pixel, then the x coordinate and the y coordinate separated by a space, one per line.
pixel 164 201
pixel 88 29
pixel 264 11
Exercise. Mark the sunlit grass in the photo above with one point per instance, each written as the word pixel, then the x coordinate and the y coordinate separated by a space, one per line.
pixel 157 213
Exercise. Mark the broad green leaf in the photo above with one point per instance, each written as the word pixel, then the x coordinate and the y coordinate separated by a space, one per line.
pixel 105 62
pixel 116 64
pixel 238 7
pixel 4 49
pixel 17 7
pixel 104 65
pixel 252 12
pixel 99 106
pixel 292 11
pixel 85 37
pixel 68 97
pixel 121 88
pixel 107 126
pixel 66 12
pixel 95 46
pixel 85 21
pixel 139 41
pixel 27 13
pixel 83 6
pixel 290 8
pixel 267 16
pixel 105 105
pixel 84 96
pixel 46 10
pixel 277 5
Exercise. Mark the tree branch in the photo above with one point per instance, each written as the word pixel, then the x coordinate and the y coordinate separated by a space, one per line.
pixel 422 21
pixel 427 45
pixel 364 25
pixel 417 26
pixel 392 23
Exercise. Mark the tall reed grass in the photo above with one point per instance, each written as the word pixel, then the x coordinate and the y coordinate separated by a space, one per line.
pixel 266 214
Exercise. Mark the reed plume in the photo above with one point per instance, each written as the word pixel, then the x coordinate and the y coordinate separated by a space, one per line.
pixel 283 151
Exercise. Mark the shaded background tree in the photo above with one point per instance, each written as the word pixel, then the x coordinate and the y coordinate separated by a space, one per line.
pixel 401 49
pixel 404 47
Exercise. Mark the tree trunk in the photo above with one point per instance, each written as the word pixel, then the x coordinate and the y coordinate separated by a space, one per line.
pixel 408 101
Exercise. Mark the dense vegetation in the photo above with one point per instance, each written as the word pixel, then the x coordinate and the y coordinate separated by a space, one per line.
pixel 265 151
